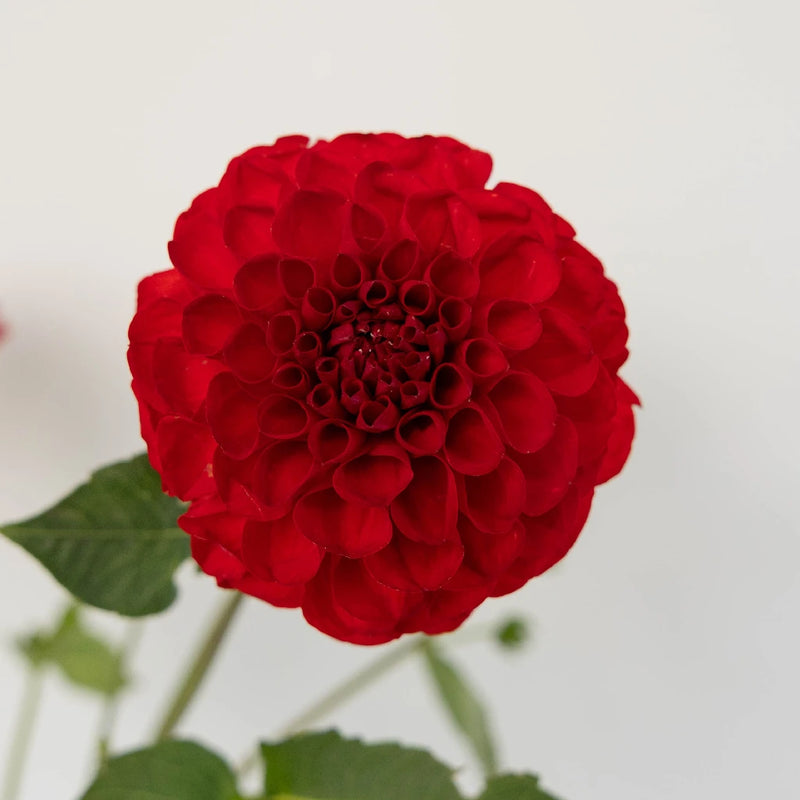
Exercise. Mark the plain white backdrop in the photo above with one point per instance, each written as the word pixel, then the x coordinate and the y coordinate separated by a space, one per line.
pixel 666 656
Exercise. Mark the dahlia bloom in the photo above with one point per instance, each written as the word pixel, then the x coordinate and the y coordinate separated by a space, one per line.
pixel 387 391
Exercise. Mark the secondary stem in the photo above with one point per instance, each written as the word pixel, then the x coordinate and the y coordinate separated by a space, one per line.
pixel 199 665
pixel 22 737
pixel 111 705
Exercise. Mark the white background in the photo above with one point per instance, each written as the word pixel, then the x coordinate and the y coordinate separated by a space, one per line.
pixel 666 657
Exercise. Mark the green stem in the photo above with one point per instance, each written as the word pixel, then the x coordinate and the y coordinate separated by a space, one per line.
pixel 352 686
pixel 108 717
pixel 199 665
pixel 341 693
pixel 22 738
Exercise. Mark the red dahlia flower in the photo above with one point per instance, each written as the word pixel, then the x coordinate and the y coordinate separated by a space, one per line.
pixel 387 391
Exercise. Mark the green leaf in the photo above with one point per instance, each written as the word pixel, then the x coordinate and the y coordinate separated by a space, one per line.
pixel 170 770
pixel 83 658
pixel 324 766
pixel 114 542
pixel 515 787
pixel 464 707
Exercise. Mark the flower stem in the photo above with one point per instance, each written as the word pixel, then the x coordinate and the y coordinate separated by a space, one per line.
pixel 341 693
pixel 22 737
pixel 351 686
pixel 199 665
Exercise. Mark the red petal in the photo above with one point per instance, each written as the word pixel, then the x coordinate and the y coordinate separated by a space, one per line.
pixel 421 432
pixel 411 566
pixel 248 356
pixel 440 219
pixel 158 319
pixel 291 379
pixel 216 540
pixel 340 527
pixel 550 471
pixel 322 399
pixel 563 357
pixel 166 285
pixel 276 594
pixel 524 409
pixel 332 441
pixel 519 267
pixel 414 393
pixel 550 537
pixel 375 293
pixel 321 609
pixel 496 213
pixel 296 277
pixel 277 551
pixel 455 317
pixel 210 519
pixel 198 249
pixel 494 501
pixel 307 348
pixel 368 227
pixel 322 169
pixel 256 285
pixel 281 472
pixel 443 610
pixel 514 325
pixel 283 417
pixel 375 478
pixel 185 452
pixel 472 446
pixel 354 395
pixel 450 386
pixel 593 415
pixel 216 561
pixel 377 416
pixel 246 231
pixel 317 308
pixel 621 437
pixel 327 369
pixel 359 594
pixel 490 554
pixel 452 276
pixel 309 224
pixel 181 379
pixel 208 322
pixel 542 220
pixel 233 416
pixel 347 275
pixel 471 168
pixel 385 188
pixel 481 359
pixel 256 178
pixel 428 508
pixel 416 298
pixel 282 330
pixel 400 262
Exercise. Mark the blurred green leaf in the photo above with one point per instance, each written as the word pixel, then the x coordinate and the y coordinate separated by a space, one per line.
pixel 171 770
pixel 83 658
pixel 114 542
pixel 463 705
pixel 515 787
pixel 513 633
pixel 324 766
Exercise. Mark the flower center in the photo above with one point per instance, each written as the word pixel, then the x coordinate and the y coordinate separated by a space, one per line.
pixel 384 352
pixel 373 361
